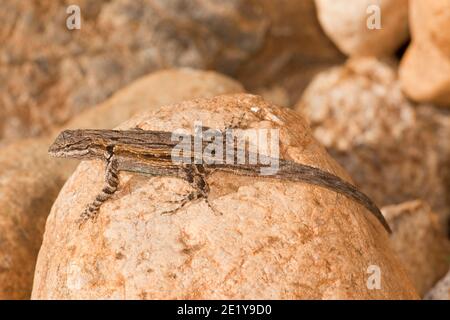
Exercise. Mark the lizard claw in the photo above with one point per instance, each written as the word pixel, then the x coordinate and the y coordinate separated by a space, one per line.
pixel 182 203
pixel 188 199
pixel 216 212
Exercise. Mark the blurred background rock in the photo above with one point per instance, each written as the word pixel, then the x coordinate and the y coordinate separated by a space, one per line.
pixel 49 73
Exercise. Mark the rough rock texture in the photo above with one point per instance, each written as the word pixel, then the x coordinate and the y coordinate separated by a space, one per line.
pixel 30 180
pixel 345 22
pixel 274 239
pixel 425 68
pixel 49 73
pixel 441 290
pixel 393 152
pixel 419 241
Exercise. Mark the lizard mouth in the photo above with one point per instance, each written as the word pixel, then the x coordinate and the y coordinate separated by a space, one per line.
pixel 59 153
pixel 54 151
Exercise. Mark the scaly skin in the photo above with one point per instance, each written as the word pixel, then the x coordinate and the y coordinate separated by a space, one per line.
pixel 150 153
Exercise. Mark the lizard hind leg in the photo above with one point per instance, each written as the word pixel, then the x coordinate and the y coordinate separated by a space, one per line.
pixel 109 188
pixel 201 187
pixel 201 191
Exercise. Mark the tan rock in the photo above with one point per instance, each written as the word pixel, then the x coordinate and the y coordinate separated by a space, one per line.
pixel 49 73
pixel 30 180
pixel 273 240
pixel 441 291
pixel 419 241
pixel 425 68
pixel 346 23
pixel 29 183
pixel 393 152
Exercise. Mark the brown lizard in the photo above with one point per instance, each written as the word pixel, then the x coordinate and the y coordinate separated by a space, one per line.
pixel 150 153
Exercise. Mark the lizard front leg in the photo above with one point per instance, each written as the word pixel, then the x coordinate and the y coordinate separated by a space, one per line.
pixel 109 188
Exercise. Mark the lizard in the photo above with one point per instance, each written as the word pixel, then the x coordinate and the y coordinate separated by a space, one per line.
pixel 149 153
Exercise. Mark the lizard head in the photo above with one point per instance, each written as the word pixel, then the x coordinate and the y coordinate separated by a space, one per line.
pixel 72 144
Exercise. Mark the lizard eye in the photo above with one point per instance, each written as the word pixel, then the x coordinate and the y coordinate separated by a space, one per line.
pixel 61 139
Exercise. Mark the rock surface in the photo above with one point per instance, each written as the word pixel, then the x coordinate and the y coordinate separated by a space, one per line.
pixel 29 183
pixel 50 73
pixel 441 291
pixel 425 68
pixel 264 245
pixel 391 150
pixel 30 180
pixel 347 25
pixel 419 241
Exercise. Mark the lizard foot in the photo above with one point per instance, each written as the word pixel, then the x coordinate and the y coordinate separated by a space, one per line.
pixel 190 199
pixel 186 199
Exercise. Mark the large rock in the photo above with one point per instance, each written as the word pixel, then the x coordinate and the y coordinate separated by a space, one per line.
pixel 419 241
pixel 346 23
pixel 425 68
pixel 50 73
pixel 30 180
pixel 273 240
pixel 393 152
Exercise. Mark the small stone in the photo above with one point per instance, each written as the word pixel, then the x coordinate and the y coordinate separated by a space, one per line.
pixel 347 24
pixel 441 290
pixel 419 241
pixel 425 67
